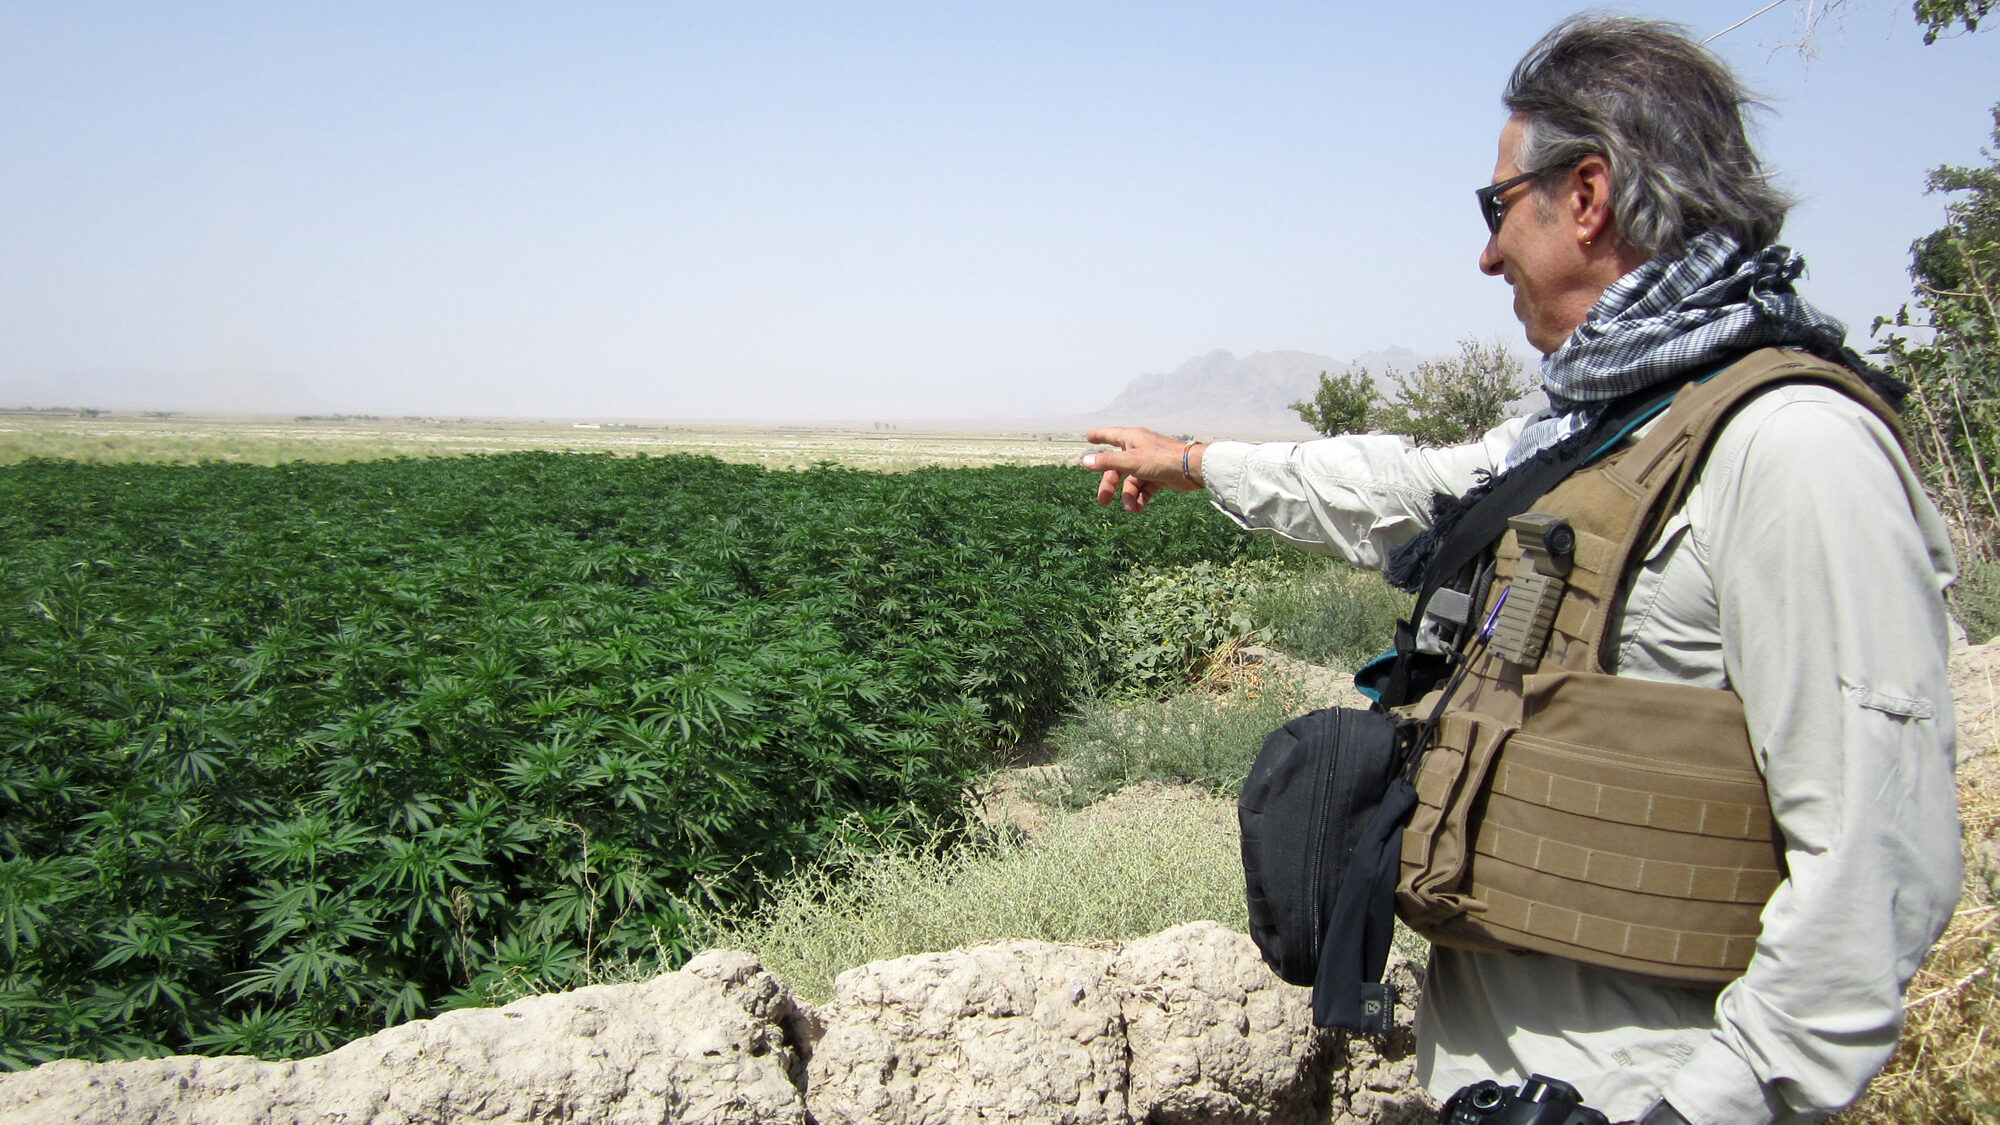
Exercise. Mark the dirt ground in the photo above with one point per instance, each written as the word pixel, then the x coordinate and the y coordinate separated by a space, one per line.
pixel 1975 689
pixel 186 439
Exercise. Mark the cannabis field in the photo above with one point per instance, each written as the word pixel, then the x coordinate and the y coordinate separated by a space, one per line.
pixel 293 753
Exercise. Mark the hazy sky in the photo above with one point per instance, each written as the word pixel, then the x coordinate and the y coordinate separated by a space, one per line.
pixel 829 209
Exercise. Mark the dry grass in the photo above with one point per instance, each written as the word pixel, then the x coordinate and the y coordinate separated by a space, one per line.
pixel 1152 858
pixel 1944 1070
pixel 187 439
pixel 1206 737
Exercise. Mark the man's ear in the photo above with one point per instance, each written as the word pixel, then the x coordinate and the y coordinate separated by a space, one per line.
pixel 1590 199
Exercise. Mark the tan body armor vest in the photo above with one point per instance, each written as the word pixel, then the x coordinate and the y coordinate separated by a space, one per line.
pixel 1613 821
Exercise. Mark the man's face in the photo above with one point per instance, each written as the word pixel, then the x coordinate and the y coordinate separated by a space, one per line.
pixel 1538 253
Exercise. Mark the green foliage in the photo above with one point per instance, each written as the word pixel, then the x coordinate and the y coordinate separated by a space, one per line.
pixel 1170 619
pixel 1976 600
pixel 1104 874
pixel 289 754
pixel 1441 403
pixel 1938 17
pixel 1343 404
pixel 1953 414
pixel 1446 402
pixel 1192 739
pixel 1326 611
pixel 1171 622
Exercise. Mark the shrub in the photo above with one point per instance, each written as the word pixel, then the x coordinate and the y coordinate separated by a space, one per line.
pixel 1170 619
pixel 1948 351
pixel 1975 597
pixel 1326 611
pixel 1193 738
pixel 1445 402
pixel 1154 864
pixel 1175 623
pixel 1343 404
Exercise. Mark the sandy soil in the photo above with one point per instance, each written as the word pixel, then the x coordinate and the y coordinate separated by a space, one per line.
pixel 187 438
pixel 1975 689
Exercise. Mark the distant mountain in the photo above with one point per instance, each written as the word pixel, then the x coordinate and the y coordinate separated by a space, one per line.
pixel 1218 395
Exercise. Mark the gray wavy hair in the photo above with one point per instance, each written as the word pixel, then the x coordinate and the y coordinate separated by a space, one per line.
pixel 1664 113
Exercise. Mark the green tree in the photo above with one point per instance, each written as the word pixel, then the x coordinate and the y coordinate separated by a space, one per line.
pixel 1445 402
pixel 1937 16
pixel 1344 404
pixel 1953 366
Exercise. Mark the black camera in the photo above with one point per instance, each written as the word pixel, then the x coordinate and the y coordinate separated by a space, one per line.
pixel 1540 1101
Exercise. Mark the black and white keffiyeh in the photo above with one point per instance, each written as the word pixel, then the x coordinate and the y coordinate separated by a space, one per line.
pixel 1672 315
pixel 1669 318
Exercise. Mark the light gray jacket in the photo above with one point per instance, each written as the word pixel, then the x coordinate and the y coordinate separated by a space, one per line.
pixel 1805 572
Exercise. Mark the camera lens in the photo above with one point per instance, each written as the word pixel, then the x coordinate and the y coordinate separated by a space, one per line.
pixel 1486 1096
pixel 1560 540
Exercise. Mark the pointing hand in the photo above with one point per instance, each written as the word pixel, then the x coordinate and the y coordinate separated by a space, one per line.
pixel 1143 463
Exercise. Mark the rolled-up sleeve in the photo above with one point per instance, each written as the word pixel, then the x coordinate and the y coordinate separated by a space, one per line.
pixel 1359 496
pixel 1828 567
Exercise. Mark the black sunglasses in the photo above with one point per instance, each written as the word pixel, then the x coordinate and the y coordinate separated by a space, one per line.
pixel 1492 209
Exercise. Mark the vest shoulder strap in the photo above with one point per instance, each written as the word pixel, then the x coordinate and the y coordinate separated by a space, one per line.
pixel 1673 450
pixel 1655 473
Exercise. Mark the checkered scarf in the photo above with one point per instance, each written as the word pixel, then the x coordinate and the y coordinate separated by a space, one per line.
pixel 1673 315
pixel 1670 317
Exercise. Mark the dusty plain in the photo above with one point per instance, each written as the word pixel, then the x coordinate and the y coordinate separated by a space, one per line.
pixel 126 437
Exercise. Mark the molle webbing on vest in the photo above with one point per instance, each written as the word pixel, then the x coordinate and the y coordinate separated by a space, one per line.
pixel 1614 821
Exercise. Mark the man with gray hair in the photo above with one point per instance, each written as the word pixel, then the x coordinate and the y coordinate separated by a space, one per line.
pixel 1725 678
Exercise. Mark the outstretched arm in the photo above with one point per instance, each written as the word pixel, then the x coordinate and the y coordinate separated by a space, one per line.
pixel 1358 496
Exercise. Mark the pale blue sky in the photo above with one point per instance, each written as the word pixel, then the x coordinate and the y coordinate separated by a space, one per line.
pixel 832 210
